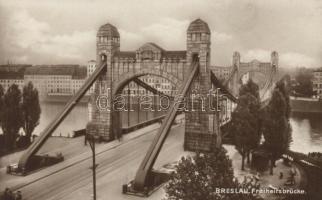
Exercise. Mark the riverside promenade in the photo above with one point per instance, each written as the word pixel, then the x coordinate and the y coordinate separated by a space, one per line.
pixel 117 163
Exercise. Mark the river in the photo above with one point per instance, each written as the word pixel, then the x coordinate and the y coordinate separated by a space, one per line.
pixel 78 118
pixel 307 128
pixel 307 132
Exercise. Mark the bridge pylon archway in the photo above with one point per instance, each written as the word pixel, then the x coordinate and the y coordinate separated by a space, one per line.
pixel 262 73
pixel 151 59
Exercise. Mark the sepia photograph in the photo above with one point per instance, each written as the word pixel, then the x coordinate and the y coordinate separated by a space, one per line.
pixel 161 100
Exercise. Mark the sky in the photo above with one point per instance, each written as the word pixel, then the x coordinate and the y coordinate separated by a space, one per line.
pixel 64 31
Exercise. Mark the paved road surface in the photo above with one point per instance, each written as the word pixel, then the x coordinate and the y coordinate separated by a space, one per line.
pixel 116 167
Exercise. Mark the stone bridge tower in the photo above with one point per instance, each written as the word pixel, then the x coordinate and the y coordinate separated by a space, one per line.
pixel 274 61
pixel 236 67
pixel 201 123
pixel 107 44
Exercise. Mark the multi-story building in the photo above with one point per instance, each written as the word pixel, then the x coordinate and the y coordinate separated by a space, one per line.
pixel 90 67
pixel 221 72
pixel 56 80
pixel 78 79
pixel 12 74
pixel 9 78
pixel 317 82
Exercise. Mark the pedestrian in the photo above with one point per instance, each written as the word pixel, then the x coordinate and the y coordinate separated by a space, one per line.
pixel 11 196
pixel 85 139
pixel 257 176
pixel 281 175
pixel 18 196
pixel 6 194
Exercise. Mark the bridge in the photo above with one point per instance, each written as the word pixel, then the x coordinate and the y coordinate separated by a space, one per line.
pixel 206 102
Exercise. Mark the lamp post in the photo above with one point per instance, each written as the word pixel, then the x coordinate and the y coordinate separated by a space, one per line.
pixel 91 140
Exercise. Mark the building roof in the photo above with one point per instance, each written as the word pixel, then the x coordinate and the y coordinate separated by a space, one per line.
pixel 12 71
pixel 175 54
pixel 154 45
pixel 14 68
pixel 72 70
pixel 11 75
pixel 125 54
pixel 108 30
pixel 221 67
pixel 317 70
pixel 198 26
pixel 79 73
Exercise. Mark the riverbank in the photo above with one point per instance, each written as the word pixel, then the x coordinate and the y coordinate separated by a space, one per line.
pixel 110 179
pixel 70 146
pixel 266 180
pixel 306 105
pixel 63 99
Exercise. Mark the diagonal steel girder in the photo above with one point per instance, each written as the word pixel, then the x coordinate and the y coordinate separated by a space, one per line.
pixel 150 88
pixel 222 87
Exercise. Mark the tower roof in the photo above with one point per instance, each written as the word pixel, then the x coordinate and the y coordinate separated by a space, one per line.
pixel 198 26
pixel 108 30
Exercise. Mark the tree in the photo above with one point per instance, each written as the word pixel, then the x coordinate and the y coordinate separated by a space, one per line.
pixel 12 115
pixel 200 176
pixel 276 127
pixel 1 114
pixel 245 123
pixel 250 88
pixel 304 86
pixel 1 104
pixel 284 87
pixel 31 109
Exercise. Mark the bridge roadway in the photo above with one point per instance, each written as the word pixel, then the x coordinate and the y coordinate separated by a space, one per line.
pixel 117 165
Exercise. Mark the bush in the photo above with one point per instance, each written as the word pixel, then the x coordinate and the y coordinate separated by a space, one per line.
pixel 201 177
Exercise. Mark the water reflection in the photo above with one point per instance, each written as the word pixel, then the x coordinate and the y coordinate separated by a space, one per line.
pixel 307 132
pixel 307 128
pixel 78 118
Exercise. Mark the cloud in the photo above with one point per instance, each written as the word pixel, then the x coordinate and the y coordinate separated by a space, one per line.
pixel 32 38
pixel 170 33
pixel 292 59
pixel 45 32
pixel 220 37
pixel 25 31
pixel 130 39
pixel 258 54
pixel 286 59
pixel 167 33
pixel 67 45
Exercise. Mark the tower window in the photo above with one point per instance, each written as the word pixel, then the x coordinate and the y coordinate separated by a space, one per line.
pixel 195 57
pixel 103 57
pixel 198 37
pixel 193 37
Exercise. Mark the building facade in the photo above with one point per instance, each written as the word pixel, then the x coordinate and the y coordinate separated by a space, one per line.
pixel 12 74
pixel 317 82
pixel 90 67
pixel 221 72
pixel 56 80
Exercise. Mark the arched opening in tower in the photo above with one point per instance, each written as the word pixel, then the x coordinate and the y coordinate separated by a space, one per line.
pixel 195 57
pixel 103 58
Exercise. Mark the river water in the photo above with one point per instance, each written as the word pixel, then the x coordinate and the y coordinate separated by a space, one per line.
pixel 307 132
pixel 307 128
pixel 78 118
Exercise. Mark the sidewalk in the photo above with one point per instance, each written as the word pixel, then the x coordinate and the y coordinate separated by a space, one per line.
pixel 266 179
pixel 72 158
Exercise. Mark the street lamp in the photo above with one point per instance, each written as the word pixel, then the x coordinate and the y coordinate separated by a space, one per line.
pixel 91 140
